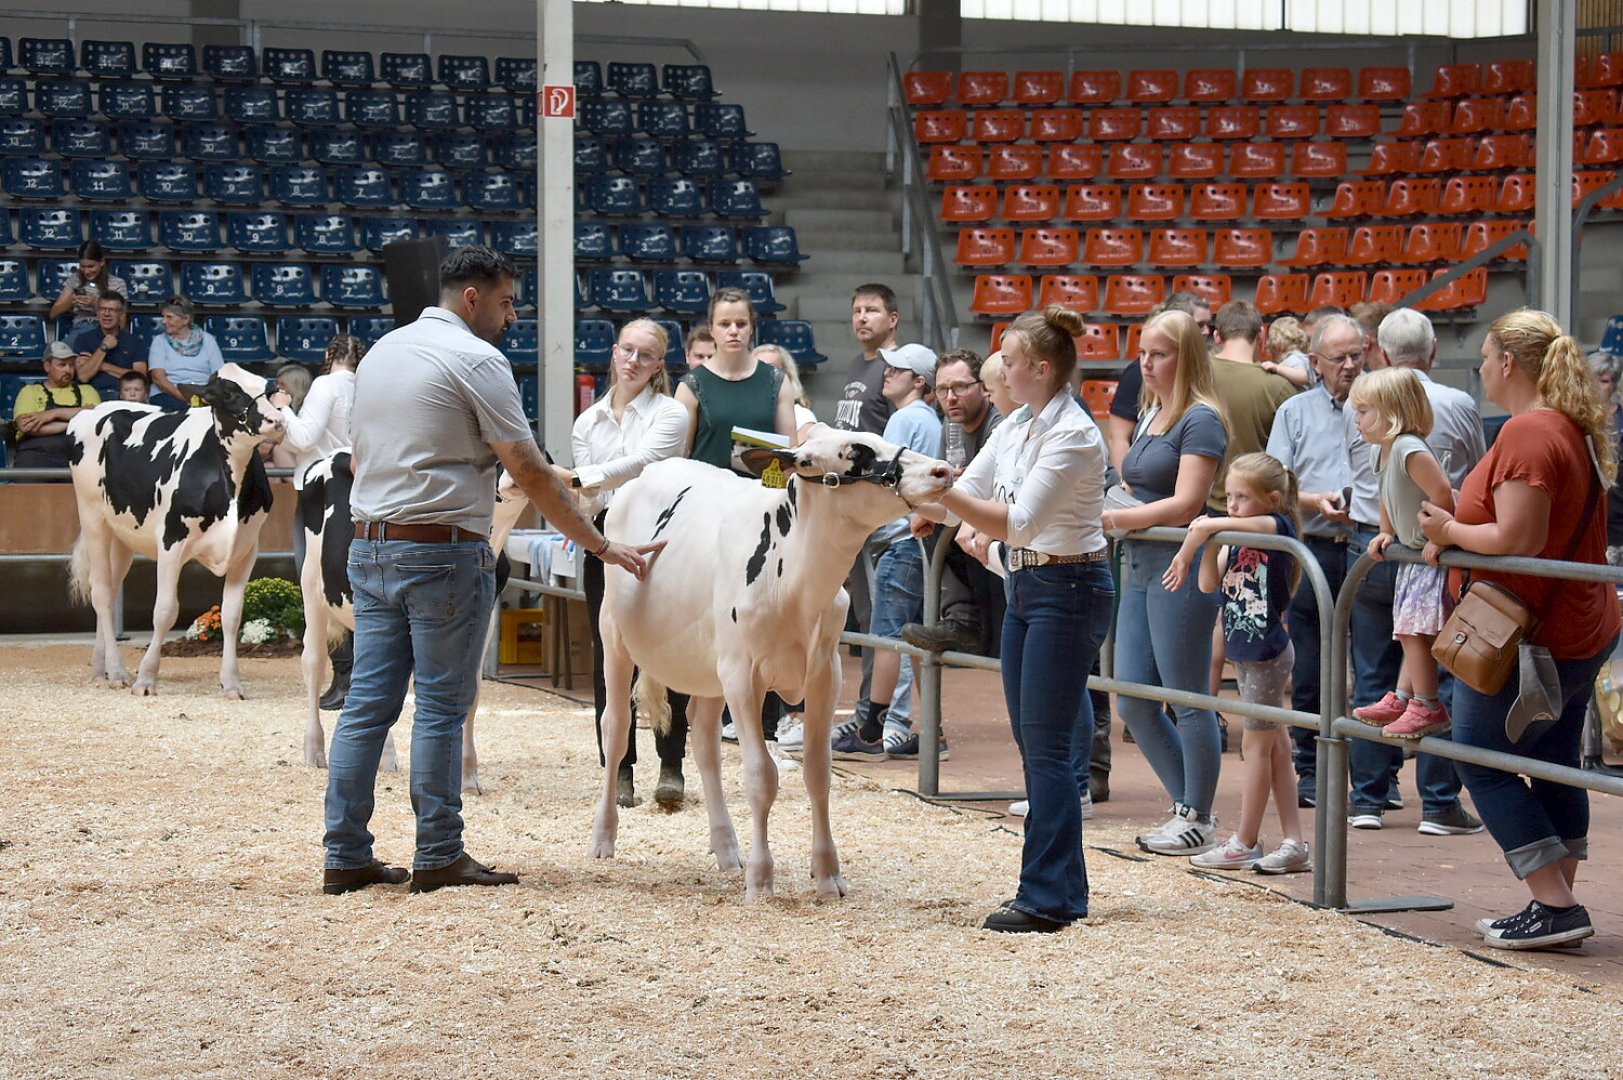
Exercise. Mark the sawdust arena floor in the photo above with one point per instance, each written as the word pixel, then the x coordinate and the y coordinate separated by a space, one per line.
pixel 161 916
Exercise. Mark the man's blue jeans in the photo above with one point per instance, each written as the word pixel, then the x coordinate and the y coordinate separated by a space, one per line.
pixel 1055 621
pixel 1377 659
pixel 421 612
pixel 1303 623
pixel 898 599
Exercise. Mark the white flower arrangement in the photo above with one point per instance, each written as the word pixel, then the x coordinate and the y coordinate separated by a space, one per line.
pixel 192 633
pixel 257 632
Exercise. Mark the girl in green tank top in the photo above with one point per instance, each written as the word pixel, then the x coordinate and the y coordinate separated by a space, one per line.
pixel 733 389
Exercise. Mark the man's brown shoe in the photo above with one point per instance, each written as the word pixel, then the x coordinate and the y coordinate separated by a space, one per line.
pixel 337 882
pixel 465 871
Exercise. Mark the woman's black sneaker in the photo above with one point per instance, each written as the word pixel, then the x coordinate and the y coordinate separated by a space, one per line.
pixel 1011 920
pixel 1539 927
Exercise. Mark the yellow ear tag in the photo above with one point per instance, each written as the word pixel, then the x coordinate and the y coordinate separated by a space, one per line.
pixel 772 476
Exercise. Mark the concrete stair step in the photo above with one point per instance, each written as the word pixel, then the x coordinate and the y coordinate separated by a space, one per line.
pixel 839 180
pixel 840 264
pixel 837 198
pixel 833 160
pixel 840 220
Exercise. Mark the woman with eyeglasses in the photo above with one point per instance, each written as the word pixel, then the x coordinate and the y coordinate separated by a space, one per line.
pixel 733 389
pixel 633 425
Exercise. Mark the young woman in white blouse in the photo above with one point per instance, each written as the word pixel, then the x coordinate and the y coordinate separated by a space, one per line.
pixel 632 426
pixel 1038 486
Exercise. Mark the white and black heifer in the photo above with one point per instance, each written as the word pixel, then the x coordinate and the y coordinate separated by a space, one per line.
pixel 746 597
pixel 173 486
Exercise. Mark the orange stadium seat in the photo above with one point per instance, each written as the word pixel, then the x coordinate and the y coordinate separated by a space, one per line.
pixel 1352 121
pixel 1343 288
pixel 1425 118
pixel 1282 202
pixel 1049 247
pixel 1095 87
pixel 1357 198
pixel 997 335
pixel 1498 151
pixel 1456 81
pixel 1133 294
pixel 965 204
pixel 1178 247
pixel 1518 194
pixel 1393 158
pixel 1001 295
pixel 1390 286
pixel 1079 292
pixel 1591 107
pixel 1433 242
pixel 1151 87
pixel 941 126
pixel 1093 202
pixel 1135 332
pixel 1019 161
pixel 1603 147
pixel 1173 123
pixel 1217 202
pixel 1449 155
pixel 1318 247
pixel 1031 202
pixel 1114 247
pixel 1481 235
pixel 1510 77
pixel 1134 161
pixel 998 125
pixel 1155 202
pixel 1038 87
pixel 1265 85
pixel 1408 196
pixel 1375 245
pixel 1383 84
pixel 1467 291
pixel 1209 85
pixel 1097 395
pixel 1473 115
pixel 1326 84
pixel 927 87
pixel 1467 195
pixel 1256 161
pixel 985 247
pixel 950 162
pixel 1194 161
pixel 1318 161
pixel 983 88
pixel 1600 70
pixel 1057 125
pixel 1099 341
pixel 1282 293
pixel 1242 248
pixel 1218 289
pixel 1114 124
pixel 1521 114
pixel 1076 161
pixel 1293 121
pixel 1585 182
pixel 1233 122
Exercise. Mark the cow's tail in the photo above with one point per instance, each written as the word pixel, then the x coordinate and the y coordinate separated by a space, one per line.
pixel 650 699
pixel 79 572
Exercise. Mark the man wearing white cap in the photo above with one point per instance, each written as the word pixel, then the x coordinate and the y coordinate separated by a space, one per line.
pixel 899 578
pixel 43 410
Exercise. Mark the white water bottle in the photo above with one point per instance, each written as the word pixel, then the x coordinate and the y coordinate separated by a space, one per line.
pixel 955 444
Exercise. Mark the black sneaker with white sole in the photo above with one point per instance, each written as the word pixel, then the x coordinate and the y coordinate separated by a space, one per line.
pixel 1540 927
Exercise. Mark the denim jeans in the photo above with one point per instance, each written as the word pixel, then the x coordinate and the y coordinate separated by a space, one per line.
pixel 1165 639
pixel 421 611
pixel 1377 658
pixel 1054 622
pixel 898 599
pixel 1303 622
pixel 1534 822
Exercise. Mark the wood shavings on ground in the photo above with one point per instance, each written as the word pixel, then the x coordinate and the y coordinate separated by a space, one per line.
pixel 162 917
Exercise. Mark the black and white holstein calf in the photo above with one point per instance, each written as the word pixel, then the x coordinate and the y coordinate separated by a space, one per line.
pixel 173 486
pixel 746 597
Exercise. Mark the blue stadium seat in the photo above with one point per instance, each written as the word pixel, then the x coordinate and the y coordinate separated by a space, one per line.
pixel 128 101
pixel 6 239
pixel 145 141
pixel 189 101
pixel 492 112
pixel 520 239
pixel 794 335
pixel 459 150
pixel 163 60
pixel 254 232
pixel 234 185
pixel 101 181
pixel 633 79
pixel 378 233
pixel 758 283
pixel 230 63
pixel 588 79
pixel 149 282
pixel 81 139
pixel 45 56
pixel 213 284
pixel 273 145
pixel 312 107
pixel 606 117
pixel 736 199
pixel 720 121
pixel 304 337
pixel 335 146
pixel 372 108
pixel 529 395
pixel 146 326
pixel 676 355
pixel 687 82
pixel 772 244
pixel 108 59
pixel 47 229
pixel 526 287
pixel 32 178
pixel 251 104
pixel 590 155
pixel 675 197
pixel 5 54
pixel 14 287
pixel 522 344
pixel 594 341
pixel 21 138
pixel 593 243
pixel 13 97
pixel 53 275
pixel 458 232
pixel 370 327
pixel 243 339
pixel 648 243
pixel 710 244
pixel 432 110
pixel 492 193
pixel 213 141
pixel 464 72
pixel 353 286
pixel 399 148
pixel 663 119
pixel 348 68
pixel 406 71
pixel 291 285
pixel 686 292
pixel 642 156
pixel 517 151
pixel 517 74
pixel 290 67
pixel 69 98
pixel 298 185
pixel 22 337
pixel 619 290
pixel 189 230
pixel 325 234
pixel 759 161
pixel 615 196
pixel 363 189
pixel 427 189
pixel 1612 338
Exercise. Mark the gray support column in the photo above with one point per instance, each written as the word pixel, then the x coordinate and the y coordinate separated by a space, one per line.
pixel 203 34
pixel 1557 35
pixel 940 27
pixel 555 210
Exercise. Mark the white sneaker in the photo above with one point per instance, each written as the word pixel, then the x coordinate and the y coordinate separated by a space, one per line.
pixel 1185 834
pixel 729 733
pixel 1231 855
pixel 1291 857
pixel 791 736
pixel 1023 807
pixel 1175 822
pixel 1087 806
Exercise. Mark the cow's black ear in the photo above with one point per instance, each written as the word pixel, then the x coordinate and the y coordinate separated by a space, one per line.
pixel 862 455
pixel 212 394
pixel 757 459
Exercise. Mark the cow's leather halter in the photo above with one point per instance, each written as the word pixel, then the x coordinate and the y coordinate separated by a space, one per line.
pixel 886 475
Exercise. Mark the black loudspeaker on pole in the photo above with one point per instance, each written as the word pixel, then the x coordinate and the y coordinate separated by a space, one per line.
pixel 413 270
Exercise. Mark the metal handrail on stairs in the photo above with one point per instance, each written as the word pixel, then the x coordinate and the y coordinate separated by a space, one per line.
pixel 938 318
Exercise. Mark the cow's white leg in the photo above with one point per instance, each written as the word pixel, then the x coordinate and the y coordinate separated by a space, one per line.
pixel 822 689
pixel 119 557
pixel 236 580
pixel 617 669
pixel 704 725
pixel 314 664
pixel 744 697
pixel 108 560
pixel 165 609
pixel 470 755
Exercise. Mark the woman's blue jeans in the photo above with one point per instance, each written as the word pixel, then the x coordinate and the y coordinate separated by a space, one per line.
pixel 1165 639
pixel 421 613
pixel 1056 619
pixel 1534 822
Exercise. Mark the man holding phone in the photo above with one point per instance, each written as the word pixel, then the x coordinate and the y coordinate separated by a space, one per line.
pixel 1309 437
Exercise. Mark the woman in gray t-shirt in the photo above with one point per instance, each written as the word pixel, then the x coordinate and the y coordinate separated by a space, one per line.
pixel 1165 638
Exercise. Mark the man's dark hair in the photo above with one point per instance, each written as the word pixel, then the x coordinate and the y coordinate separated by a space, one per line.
pixel 133 376
pixel 1238 319
pixel 883 293
pixel 1323 312
pixel 114 294
pixel 476 265
pixel 1185 301
pixel 961 356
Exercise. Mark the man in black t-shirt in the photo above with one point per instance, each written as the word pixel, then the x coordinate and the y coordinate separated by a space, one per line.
pixel 863 406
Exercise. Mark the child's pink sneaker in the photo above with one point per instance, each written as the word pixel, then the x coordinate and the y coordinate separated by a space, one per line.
pixel 1384 711
pixel 1418 721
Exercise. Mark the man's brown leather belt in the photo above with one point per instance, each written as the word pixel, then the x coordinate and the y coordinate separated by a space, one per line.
pixel 421 534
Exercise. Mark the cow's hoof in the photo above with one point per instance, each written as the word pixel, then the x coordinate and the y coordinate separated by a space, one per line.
pixel 144 688
pixel 753 893
pixel 391 763
pixel 114 682
pixel 471 785
pixel 832 888
pixel 727 859
pixel 315 759
pixel 233 693
pixel 601 849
